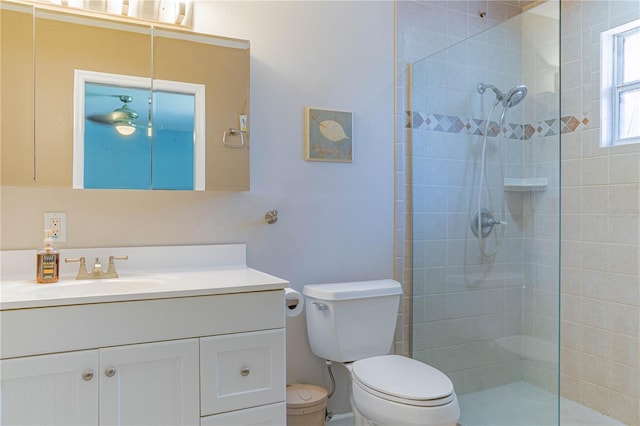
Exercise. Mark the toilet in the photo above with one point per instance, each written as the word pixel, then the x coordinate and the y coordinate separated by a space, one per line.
pixel 353 323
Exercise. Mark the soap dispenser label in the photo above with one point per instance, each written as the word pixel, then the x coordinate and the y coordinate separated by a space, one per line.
pixel 48 266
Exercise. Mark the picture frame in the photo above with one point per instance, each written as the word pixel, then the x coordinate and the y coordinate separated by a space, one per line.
pixel 328 135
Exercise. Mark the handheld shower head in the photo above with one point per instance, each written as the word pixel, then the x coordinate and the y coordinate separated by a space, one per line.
pixel 511 98
pixel 514 96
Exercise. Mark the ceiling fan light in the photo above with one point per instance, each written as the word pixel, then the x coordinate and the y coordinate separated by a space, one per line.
pixel 124 127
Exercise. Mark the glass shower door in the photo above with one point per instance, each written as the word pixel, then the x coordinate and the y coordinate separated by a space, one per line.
pixel 486 220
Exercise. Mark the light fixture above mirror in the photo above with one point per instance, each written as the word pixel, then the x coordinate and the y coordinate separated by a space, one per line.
pixel 178 12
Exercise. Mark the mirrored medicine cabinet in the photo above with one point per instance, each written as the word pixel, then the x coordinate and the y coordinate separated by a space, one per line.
pixel 96 102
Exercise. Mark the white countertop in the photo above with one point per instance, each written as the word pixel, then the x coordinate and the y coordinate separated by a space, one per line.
pixel 174 278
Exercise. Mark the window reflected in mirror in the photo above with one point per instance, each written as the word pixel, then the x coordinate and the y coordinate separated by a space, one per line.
pixel 117 144
pixel 172 162
pixel 135 133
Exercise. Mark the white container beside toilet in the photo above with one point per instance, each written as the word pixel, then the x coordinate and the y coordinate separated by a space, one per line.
pixel 354 323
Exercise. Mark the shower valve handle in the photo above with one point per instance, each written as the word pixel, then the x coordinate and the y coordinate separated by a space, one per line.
pixel 493 222
pixel 486 225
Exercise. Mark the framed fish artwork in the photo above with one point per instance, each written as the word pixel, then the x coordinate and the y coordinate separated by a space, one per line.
pixel 328 135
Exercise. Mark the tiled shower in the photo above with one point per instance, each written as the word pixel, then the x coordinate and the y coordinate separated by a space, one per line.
pixel 564 280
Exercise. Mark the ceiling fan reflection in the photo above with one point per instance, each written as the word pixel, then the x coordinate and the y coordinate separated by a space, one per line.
pixel 123 119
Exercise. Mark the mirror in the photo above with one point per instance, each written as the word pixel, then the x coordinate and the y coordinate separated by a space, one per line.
pixel 41 148
pixel 16 102
pixel 222 65
pixel 65 43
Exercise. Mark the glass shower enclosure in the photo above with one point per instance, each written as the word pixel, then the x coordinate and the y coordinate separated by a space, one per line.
pixel 485 201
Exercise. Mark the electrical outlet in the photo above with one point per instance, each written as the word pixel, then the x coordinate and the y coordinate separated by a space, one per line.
pixel 57 223
pixel 243 123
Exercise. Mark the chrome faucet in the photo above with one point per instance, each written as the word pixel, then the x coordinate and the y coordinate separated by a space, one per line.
pixel 97 273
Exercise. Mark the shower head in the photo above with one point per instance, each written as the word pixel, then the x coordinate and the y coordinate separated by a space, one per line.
pixel 511 98
pixel 514 96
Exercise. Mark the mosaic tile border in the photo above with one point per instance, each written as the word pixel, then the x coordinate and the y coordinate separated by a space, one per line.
pixel 474 126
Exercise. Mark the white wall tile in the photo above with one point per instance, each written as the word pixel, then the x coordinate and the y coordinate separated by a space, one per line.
pixel 624 169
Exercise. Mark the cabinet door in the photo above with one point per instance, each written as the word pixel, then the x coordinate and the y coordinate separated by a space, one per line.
pixel 223 67
pixel 150 384
pixel 65 42
pixel 241 370
pixel 60 389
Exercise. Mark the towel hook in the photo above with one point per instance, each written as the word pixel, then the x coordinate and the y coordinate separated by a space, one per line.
pixel 271 217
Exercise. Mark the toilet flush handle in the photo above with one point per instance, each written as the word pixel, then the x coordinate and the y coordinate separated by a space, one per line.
pixel 320 306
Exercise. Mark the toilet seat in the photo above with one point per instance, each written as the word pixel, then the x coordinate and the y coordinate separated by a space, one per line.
pixel 403 380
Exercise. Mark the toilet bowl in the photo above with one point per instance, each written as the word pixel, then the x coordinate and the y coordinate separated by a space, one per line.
pixel 395 390
pixel 353 323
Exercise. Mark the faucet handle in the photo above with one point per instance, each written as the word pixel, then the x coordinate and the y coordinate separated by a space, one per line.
pixel 111 270
pixel 82 271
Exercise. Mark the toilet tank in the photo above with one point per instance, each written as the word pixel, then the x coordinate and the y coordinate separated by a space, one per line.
pixel 352 320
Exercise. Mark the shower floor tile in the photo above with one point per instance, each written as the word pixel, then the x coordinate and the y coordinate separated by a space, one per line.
pixel 523 404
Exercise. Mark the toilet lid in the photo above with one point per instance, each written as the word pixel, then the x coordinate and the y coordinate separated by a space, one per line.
pixel 402 377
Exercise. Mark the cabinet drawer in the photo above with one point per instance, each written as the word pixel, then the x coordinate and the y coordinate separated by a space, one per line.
pixel 274 414
pixel 241 370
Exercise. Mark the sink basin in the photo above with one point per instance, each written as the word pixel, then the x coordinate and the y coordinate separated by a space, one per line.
pixel 123 285
pixel 95 287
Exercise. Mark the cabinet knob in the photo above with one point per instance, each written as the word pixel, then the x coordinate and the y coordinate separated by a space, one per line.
pixel 110 371
pixel 245 372
pixel 87 374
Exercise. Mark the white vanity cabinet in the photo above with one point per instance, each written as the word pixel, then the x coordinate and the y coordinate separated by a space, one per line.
pixel 206 359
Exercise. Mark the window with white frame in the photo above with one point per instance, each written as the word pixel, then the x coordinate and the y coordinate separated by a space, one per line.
pixel 620 85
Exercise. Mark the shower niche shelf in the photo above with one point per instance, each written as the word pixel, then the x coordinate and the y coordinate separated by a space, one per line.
pixel 525 184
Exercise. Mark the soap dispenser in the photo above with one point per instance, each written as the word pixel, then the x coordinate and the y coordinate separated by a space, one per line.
pixel 48 261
